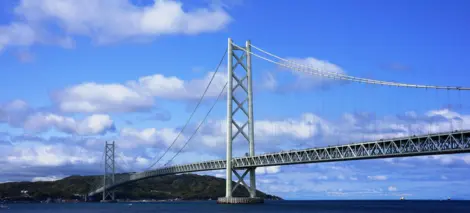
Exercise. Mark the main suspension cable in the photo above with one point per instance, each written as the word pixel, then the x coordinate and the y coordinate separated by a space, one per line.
pixel 334 75
pixel 199 126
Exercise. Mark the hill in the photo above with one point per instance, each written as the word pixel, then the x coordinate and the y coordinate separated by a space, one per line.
pixel 185 187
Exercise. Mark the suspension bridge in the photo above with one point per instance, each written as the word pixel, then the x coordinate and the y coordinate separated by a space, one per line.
pixel 240 107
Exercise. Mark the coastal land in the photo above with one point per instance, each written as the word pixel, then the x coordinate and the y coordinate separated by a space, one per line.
pixel 165 188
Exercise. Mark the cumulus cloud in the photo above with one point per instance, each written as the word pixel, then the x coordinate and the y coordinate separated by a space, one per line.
pixel 268 170
pixel 92 97
pixel 91 125
pixel 18 113
pixel 38 154
pixel 135 95
pixel 443 160
pixel 269 134
pixel 132 138
pixel 106 21
pixel 306 127
pixel 305 131
pixel 50 160
pixel 392 188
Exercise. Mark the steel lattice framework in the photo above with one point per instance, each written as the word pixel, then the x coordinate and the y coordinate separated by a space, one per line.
pixel 109 170
pixel 243 82
pixel 431 144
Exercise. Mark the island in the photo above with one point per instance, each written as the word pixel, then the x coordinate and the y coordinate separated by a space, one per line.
pixel 165 188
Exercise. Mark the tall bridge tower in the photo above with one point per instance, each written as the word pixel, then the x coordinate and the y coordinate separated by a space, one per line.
pixel 240 118
pixel 109 171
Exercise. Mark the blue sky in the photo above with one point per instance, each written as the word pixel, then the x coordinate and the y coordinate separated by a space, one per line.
pixel 74 75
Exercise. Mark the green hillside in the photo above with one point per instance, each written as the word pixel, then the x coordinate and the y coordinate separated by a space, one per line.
pixel 186 187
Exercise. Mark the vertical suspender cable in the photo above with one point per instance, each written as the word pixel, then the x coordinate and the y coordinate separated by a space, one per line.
pixel 192 114
pixel 199 126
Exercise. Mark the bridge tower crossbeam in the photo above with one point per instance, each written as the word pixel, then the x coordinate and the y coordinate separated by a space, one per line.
pixel 239 81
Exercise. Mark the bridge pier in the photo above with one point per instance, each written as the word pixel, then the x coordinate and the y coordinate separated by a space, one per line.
pixel 237 81
pixel 239 200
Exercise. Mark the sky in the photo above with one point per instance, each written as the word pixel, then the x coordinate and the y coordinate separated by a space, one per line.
pixel 75 74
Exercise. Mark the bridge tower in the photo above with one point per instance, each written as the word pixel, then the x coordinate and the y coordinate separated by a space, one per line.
pixel 240 93
pixel 109 169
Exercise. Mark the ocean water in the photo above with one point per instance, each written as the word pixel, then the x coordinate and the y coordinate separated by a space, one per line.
pixel 269 206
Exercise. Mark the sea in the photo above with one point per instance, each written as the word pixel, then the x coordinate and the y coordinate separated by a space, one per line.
pixel 269 206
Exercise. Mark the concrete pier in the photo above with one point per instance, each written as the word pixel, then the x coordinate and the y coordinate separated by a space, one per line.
pixel 239 200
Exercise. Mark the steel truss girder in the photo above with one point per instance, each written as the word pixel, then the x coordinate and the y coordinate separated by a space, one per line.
pixel 433 144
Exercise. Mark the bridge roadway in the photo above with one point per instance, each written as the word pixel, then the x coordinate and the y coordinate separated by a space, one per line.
pixel 432 144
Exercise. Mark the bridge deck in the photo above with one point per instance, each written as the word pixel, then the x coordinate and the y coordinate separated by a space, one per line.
pixel 433 144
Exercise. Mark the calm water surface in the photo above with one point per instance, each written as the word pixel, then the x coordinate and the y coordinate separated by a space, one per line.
pixel 272 206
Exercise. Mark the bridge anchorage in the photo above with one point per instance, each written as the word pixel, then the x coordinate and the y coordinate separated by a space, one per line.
pixel 243 82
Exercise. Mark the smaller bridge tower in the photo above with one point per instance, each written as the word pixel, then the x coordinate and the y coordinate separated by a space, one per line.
pixel 109 169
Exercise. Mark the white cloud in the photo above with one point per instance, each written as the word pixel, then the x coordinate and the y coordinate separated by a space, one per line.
pixel 377 177
pixel 91 125
pixel 15 105
pixel 106 21
pixel 392 188
pixel 444 160
pixel 308 130
pixel 268 170
pixel 273 169
pixel 37 154
pixel 308 126
pixel 18 113
pixel 92 97
pixel 174 88
pixel 16 34
pixel 150 136
pixel 141 161
pixel 47 178
pixel 134 95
